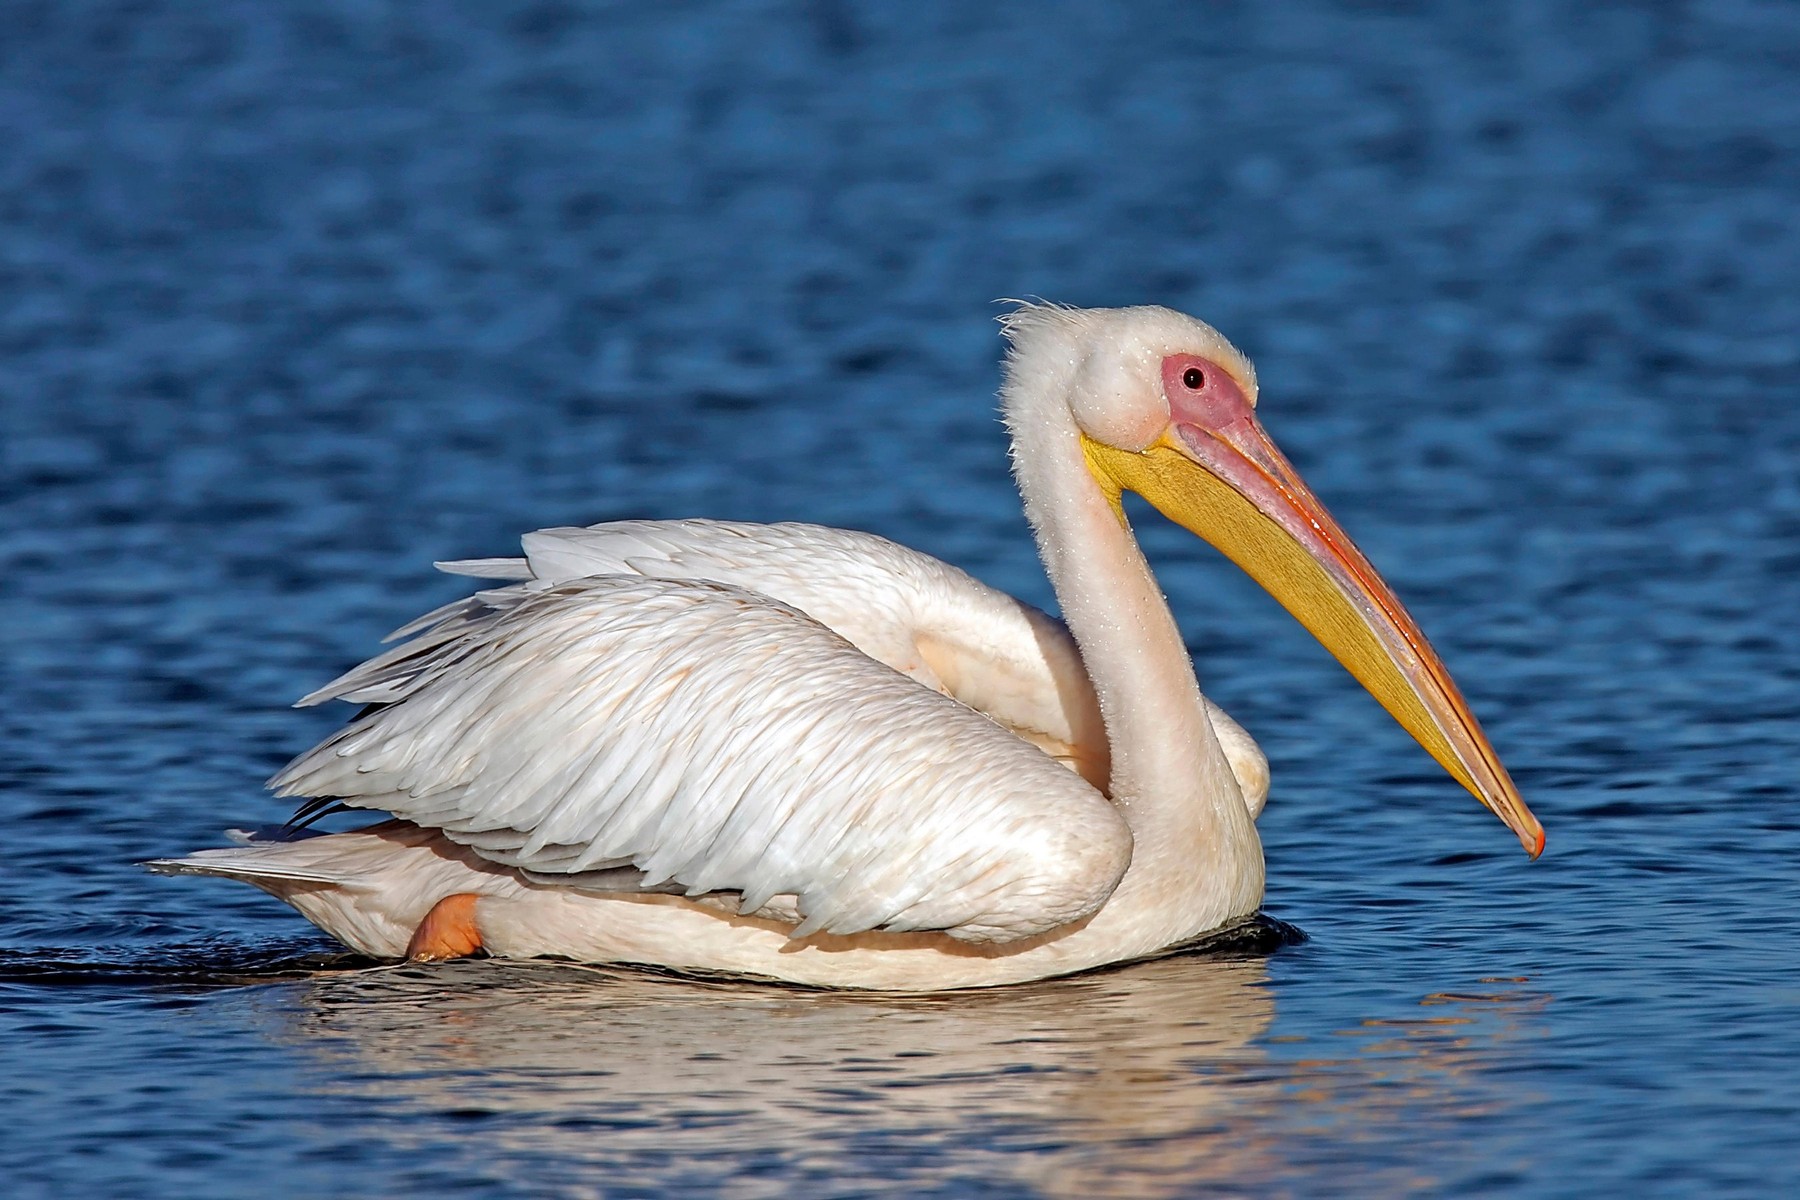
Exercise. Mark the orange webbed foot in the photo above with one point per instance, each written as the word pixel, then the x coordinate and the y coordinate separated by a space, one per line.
pixel 448 930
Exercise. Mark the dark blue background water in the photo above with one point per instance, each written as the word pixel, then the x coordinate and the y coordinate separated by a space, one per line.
pixel 297 297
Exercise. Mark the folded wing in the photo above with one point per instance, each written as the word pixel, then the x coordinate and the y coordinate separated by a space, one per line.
pixel 702 737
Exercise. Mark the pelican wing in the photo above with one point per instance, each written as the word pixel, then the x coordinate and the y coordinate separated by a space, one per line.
pixel 717 741
pixel 919 615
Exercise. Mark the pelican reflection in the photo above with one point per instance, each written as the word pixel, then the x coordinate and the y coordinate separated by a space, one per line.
pixel 1150 1080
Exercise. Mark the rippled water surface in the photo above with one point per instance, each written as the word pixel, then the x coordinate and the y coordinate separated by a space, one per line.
pixel 296 298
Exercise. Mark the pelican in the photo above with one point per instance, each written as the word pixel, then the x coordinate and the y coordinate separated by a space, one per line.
pixel 803 754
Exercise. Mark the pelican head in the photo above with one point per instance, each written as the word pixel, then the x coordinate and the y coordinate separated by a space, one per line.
pixel 1166 407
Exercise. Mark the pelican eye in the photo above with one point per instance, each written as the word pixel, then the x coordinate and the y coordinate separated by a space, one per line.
pixel 1192 379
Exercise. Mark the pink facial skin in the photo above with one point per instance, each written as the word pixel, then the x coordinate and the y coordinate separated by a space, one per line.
pixel 1216 424
pixel 1202 393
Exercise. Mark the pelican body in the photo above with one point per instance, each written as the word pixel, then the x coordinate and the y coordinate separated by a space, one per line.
pixel 811 755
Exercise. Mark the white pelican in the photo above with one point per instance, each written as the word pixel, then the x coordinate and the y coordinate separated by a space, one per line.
pixel 810 755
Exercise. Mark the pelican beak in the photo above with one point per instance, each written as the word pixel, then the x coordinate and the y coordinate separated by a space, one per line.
pixel 1215 472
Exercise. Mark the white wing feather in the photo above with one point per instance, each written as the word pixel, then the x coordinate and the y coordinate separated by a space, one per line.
pixel 722 741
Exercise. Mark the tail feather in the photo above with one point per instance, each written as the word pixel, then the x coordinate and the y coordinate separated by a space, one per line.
pixel 261 854
pixel 369 888
pixel 225 865
pixel 381 856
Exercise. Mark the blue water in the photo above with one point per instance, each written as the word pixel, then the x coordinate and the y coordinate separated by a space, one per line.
pixel 296 298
